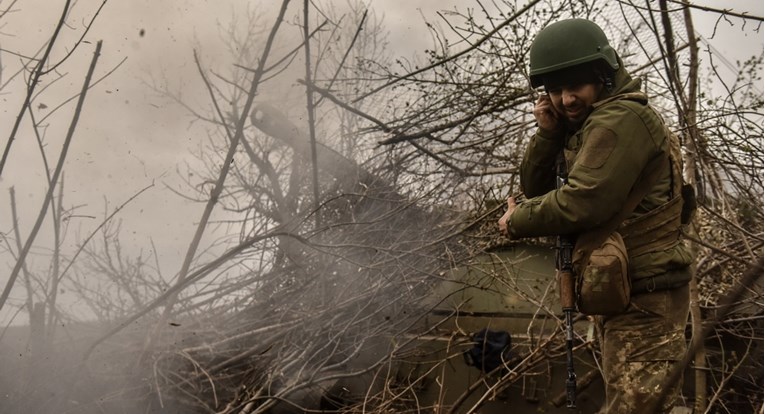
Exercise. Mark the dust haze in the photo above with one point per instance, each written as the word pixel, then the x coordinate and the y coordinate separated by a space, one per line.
pixel 217 241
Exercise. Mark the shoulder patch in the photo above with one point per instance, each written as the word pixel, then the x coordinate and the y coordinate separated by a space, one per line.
pixel 598 146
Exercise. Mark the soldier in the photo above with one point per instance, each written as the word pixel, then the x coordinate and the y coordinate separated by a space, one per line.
pixel 596 115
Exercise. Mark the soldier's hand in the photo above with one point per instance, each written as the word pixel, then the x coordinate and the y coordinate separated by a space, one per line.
pixel 547 117
pixel 503 220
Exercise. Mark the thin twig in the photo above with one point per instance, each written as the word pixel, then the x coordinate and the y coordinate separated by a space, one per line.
pixel 216 191
pixel 31 87
pixel 54 179
pixel 17 235
pixel 347 53
pixel 100 226
pixel 480 41
pixel 179 286
pixel 724 12
pixel 311 115
pixel 79 41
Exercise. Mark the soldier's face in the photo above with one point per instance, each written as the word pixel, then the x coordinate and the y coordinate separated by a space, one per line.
pixel 575 101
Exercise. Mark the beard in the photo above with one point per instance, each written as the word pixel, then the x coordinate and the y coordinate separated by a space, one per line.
pixel 574 121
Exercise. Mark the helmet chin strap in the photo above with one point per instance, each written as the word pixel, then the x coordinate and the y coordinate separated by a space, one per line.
pixel 608 84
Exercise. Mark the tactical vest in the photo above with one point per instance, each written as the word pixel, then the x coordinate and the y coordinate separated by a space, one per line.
pixel 660 228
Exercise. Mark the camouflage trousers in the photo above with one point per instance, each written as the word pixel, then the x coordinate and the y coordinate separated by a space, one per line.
pixel 640 347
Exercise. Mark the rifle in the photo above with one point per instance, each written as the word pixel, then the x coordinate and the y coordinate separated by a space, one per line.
pixel 566 279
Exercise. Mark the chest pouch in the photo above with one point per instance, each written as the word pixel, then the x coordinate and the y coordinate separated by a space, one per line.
pixel 603 282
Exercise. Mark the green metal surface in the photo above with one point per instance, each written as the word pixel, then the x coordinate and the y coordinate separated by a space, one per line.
pixel 513 291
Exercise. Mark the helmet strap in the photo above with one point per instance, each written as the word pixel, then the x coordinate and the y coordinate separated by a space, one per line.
pixel 608 83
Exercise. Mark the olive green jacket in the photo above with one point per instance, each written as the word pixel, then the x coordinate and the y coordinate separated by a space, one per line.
pixel 605 158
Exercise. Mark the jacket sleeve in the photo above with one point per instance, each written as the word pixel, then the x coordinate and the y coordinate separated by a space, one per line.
pixel 616 146
pixel 538 165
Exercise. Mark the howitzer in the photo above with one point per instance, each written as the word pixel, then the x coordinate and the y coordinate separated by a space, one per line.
pixel 566 280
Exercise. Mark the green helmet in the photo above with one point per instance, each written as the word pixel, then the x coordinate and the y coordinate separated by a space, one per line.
pixel 568 43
